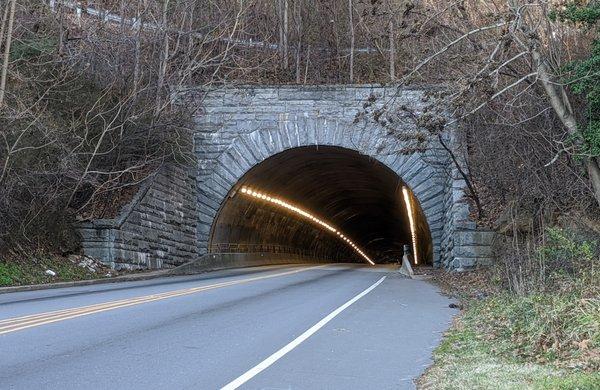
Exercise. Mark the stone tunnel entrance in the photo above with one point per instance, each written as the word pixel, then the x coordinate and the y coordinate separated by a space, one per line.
pixel 359 196
pixel 265 138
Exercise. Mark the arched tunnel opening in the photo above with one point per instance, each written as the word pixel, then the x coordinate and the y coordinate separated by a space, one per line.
pixel 323 203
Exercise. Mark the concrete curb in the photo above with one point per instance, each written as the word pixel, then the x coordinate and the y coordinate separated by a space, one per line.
pixel 89 282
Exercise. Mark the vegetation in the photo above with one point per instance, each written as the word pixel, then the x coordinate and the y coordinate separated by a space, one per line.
pixel 32 270
pixel 584 74
pixel 90 105
pixel 465 360
pixel 77 133
pixel 544 334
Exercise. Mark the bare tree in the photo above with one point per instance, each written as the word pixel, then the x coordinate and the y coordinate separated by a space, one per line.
pixel 392 32
pixel 7 44
pixel 352 38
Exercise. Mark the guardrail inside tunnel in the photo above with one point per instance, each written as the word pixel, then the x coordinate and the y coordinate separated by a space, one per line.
pixel 234 247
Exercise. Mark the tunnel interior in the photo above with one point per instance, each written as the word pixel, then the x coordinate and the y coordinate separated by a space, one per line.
pixel 356 194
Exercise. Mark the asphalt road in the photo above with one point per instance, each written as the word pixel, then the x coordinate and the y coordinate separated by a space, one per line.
pixel 329 327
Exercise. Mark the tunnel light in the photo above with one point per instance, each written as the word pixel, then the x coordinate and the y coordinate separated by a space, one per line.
pixel 411 220
pixel 268 198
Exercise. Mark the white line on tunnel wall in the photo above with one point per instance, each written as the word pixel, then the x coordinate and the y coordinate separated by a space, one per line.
pixel 279 202
pixel 413 233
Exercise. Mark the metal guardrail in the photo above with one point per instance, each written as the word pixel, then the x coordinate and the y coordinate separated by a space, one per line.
pixel 108 16
pixel 271 248
pixel 254 248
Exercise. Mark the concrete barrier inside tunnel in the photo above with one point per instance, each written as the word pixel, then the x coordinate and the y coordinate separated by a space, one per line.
pixel 356 194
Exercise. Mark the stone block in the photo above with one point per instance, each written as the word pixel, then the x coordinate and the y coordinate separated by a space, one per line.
pixel 474 237
pixel 472 251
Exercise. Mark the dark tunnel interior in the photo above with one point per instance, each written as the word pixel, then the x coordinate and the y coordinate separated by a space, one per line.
pixel 355 193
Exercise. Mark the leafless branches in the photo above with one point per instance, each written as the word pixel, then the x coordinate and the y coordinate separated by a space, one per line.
pixel 88 120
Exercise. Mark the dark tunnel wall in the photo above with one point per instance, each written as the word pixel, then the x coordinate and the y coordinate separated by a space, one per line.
pixel 358 195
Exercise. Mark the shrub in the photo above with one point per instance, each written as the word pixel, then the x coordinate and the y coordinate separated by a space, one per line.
pixel 568 260
pixel 557 260
pixel 9 274
pixel 562 328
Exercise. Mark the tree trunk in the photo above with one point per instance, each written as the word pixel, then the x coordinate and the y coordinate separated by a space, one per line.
pixel 392 52
pixel 280 17
pixel 137 53
pixel 285 34
pixel 9 29
pixel 4 17
pixel 593 168
pixel 562 107
pixel 351 22
pixel 306 63
pixel 298 17
pixel 162 67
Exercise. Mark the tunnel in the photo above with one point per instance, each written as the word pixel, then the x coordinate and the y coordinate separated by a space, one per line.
pixel 370 211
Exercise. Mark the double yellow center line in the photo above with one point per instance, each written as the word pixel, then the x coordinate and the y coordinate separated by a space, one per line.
pixel 19 323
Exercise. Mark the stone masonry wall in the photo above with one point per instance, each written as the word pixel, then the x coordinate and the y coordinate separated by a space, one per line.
pixel 156 230
pixel 464 244
pixel 241 127
pixel 170 220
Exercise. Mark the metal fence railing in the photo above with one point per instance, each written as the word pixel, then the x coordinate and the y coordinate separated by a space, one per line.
pixel 274 248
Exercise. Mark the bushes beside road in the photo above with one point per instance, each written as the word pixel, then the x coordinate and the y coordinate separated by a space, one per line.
pixel 540 333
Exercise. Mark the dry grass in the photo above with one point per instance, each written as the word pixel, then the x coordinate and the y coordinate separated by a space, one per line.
pixel 543 335
pixel 467 361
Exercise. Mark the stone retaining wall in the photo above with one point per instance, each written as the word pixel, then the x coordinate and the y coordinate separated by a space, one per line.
pixel 157 229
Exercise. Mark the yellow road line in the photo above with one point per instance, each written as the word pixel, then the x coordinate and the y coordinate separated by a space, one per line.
pixel 18 323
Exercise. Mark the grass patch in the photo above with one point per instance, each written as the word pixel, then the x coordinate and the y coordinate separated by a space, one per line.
pixel 32 270
pixel 467 359
pixel 9 274
pixel 562 329
pixel 577 381
pixel 539 328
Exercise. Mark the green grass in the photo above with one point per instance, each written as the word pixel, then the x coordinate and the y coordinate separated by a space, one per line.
pixel 467 360
pixel 545 327
pixel 540 341
pixel 32 271
pixel 573 381
pixel 9 274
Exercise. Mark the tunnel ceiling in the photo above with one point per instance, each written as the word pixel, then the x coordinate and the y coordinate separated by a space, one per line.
pixel 357 194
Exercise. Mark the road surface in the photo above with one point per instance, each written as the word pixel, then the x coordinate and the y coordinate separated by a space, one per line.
pixel 280 327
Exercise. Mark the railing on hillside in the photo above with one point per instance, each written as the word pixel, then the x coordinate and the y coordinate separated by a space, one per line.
pixel 110 17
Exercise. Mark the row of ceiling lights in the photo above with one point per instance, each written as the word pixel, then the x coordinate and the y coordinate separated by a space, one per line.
pixel 279 202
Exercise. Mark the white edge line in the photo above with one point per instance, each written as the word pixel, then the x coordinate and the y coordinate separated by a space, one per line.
pixel 283 351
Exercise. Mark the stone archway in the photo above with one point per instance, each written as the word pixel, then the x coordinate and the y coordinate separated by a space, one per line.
pixel 360 196
pixel 262 125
